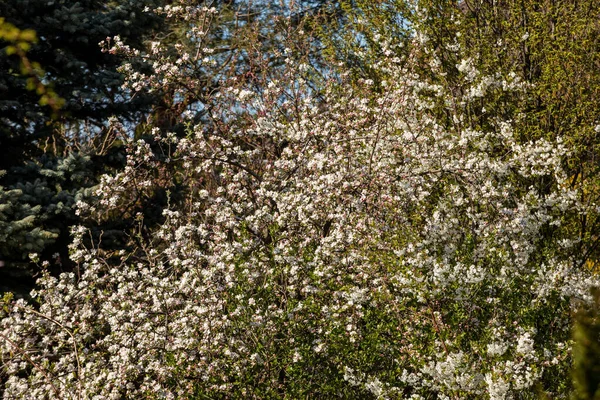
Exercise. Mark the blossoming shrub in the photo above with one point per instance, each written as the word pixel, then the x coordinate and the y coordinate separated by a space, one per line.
pixel 347 241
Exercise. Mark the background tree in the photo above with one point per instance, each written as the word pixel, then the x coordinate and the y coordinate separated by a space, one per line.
pixel 55 108
pixel 554 48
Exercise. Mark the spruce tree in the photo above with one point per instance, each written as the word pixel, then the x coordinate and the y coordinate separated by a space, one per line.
pixel 52 154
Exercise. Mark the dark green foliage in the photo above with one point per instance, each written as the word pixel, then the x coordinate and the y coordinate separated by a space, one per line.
pixel 51 158
pixel 36 211
pixel 84 76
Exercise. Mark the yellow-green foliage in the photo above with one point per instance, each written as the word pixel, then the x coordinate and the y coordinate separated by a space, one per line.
pixel 21 39
pixel 19 43
pixel 555 47
pixel 586 353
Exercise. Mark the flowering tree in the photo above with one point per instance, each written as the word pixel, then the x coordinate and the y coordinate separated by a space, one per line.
pixel 365 240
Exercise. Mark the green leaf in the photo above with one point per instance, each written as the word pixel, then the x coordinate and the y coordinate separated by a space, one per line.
pixel 24 46
pixel 28 35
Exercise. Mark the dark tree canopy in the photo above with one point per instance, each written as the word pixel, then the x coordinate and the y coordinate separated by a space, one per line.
pixel 51 155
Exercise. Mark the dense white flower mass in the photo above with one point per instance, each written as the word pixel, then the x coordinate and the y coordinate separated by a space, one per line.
pixel 362 237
